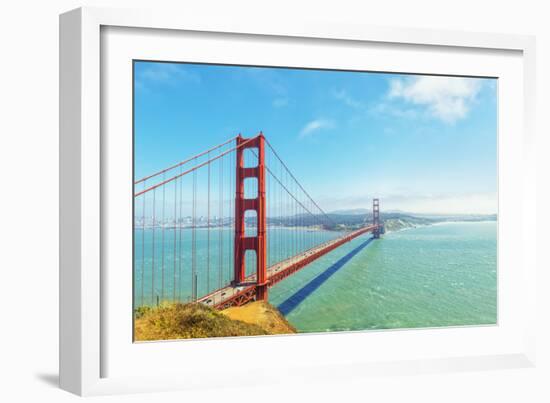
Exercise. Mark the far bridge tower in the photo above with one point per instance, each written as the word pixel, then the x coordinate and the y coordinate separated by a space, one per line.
pixel 376 219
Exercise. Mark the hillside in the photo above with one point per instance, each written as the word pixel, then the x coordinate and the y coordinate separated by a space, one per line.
pixel 351 219
pixel 186 321
pixel 261 314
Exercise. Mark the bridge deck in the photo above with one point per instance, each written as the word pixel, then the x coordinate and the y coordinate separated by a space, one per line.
pixel 235 295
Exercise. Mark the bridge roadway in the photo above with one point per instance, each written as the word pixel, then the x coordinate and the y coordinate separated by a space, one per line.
pixel 240 294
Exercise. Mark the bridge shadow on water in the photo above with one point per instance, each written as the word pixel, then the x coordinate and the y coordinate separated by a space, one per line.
pixel 295 299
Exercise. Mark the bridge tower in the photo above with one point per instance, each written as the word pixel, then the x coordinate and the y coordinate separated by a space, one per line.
pixel 242 242
pixel 376 218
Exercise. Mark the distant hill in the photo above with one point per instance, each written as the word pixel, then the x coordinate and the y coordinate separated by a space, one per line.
pixel 357 211
pixel 355 218
pixel 363 211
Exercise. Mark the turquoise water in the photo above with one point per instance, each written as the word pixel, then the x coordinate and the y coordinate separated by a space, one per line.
pixel 438 275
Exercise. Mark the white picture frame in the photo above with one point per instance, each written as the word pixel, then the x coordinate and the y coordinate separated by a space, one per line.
pixel 84 340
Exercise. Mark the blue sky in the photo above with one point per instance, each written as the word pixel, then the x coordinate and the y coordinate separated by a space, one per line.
pixel 423 144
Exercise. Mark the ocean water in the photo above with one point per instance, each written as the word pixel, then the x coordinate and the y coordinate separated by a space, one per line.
pixel 439 275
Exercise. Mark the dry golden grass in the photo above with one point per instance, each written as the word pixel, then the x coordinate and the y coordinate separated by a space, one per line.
pixel 263 315
pixel 185 321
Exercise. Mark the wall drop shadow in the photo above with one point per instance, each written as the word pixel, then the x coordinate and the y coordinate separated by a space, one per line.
pixel 295 299
pixel 49 379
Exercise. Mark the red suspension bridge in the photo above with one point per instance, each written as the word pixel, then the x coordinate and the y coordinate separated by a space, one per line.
pixel 223 226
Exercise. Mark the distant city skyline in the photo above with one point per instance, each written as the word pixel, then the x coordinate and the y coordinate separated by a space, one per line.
pixel 422 144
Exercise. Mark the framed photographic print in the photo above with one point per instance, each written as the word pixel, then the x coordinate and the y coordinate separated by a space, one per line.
pixel 231 228
pixel 250 192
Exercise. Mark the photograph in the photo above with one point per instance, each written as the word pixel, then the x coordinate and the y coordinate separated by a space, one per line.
pixel 277 200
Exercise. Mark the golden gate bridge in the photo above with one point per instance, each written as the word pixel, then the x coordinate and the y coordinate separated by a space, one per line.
pixel 222 226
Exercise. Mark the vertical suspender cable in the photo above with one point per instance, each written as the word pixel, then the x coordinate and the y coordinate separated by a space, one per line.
pixel 163 230
pixel 229 187
pixel 180 238
pixel 222 256
pixel 220 227
pixel 194 239
pixel 281 220
pixel 143 247
pixel 208 233
pixel 268 215
pixel 153 251
pixel 231 231
pixel 174 243
pixel 297 221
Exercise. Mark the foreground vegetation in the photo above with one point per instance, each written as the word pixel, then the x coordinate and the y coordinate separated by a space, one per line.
pixel 262 314
pixel 186 321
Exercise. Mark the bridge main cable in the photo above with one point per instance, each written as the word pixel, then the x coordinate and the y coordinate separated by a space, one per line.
pixel 164 182
pixel 298 183
pixel 145 178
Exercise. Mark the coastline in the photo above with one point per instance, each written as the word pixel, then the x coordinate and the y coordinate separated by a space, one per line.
pixel 437 223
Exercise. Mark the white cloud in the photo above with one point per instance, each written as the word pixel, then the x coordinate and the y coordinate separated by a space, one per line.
pixel 446 98
pixel 381 108
pixel 315 126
